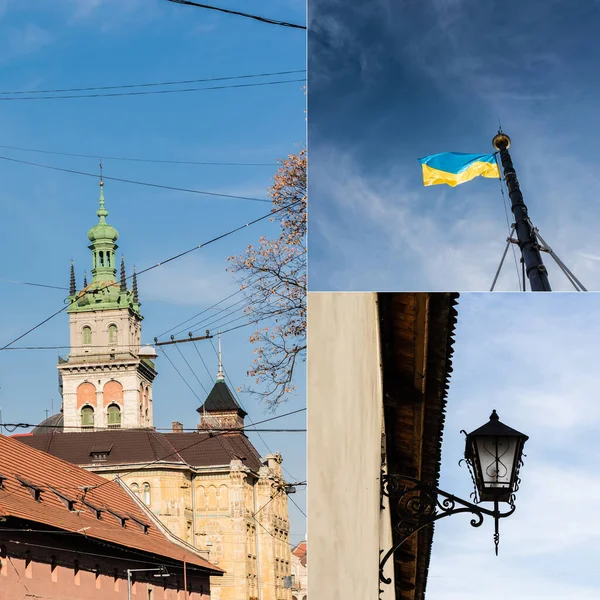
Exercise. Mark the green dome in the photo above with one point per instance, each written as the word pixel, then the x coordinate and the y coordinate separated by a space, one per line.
pixel 103 231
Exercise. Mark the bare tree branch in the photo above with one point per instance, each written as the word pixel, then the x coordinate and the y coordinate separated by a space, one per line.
pixel 276 272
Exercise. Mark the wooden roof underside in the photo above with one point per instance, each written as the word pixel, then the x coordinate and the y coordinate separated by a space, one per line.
pixel 416 341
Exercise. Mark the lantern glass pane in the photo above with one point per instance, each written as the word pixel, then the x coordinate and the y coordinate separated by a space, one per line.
pixel 497 457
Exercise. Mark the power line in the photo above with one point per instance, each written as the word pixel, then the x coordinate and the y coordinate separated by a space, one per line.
pixel 148 184
pixel 152 92
pixel 11 427
pixel 55 287
pixel 240 14
pixel 148 160
pixel 134 85
pixel 294 503
pixel 175 257
pixel 200 313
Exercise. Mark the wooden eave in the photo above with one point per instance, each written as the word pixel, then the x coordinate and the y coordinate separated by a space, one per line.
pixel 416 348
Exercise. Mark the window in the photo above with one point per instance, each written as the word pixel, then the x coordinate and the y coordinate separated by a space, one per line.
pixel 114 416
pixel 87 335
pixel 87 416
pixel 147 494
pixel 135 488
pixel 101 258
pixel 112 334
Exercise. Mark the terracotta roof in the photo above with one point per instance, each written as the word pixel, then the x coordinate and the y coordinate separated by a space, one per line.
pixel 221 399
pixel 300 552
pixel 27 473
pixel 142 446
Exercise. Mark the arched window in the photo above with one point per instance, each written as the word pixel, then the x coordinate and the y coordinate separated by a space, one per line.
pixel 86 335
pixel 135 488
pixel 114 416
pixel 146 488
pixel 101 258
pixel 87 416
pixel 112 334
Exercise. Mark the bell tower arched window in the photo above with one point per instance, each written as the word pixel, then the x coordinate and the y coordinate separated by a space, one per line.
pixel 114 416
pixel 87 416
pixel 86 335
pixel 112 334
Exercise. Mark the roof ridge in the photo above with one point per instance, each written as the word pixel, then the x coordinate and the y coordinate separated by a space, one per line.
pixel 160 437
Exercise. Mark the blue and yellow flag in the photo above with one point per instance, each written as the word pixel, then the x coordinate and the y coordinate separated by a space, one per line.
pixel 453 168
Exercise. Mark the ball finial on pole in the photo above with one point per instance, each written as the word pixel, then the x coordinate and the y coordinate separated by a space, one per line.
pixel 501 141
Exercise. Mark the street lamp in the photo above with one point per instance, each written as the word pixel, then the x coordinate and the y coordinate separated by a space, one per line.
pixel 494 455
pixel 162 572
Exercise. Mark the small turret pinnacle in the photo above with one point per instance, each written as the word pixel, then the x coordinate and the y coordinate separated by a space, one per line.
pixel 220 374
pixel 72 287
pixel 136 298
pixel 123 278
pixel 84 279
pixel 102 212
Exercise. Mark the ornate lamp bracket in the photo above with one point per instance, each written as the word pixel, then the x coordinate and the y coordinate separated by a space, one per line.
pixel 418 505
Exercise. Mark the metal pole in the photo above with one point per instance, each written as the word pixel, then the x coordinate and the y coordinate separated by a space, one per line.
pixel 534 266
pixel 128 584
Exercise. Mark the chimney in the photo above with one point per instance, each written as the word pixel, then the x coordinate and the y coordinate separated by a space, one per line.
pixel 177 427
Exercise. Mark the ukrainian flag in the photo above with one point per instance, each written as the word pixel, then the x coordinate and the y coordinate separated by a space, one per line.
pixel 455 167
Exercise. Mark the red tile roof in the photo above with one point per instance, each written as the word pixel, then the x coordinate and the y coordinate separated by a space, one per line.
pixel 45 472
pixel 300 552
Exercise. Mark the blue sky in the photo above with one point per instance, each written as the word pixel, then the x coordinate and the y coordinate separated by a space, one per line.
pixel 46 214
pixel 540 375
pixel 392 81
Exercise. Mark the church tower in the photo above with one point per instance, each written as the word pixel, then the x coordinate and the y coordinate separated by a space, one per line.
pixel 107 377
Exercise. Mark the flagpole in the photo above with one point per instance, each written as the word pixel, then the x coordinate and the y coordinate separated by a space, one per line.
pixel 530 249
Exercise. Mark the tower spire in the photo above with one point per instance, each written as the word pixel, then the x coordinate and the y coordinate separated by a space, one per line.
pixel 72 287
pixel 102 212
pixel 136 298
pixel 123 278
pixel 220 374
pixel 84 279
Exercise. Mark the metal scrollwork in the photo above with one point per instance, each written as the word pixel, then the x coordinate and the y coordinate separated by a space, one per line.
pixel 419 505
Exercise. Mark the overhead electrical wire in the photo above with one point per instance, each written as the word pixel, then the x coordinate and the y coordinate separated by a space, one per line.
pixel 145 183
pixel 172 258
pixel 144 160
pixel 153 84
pixel 54 287
pixel 239 14
pixel 150 92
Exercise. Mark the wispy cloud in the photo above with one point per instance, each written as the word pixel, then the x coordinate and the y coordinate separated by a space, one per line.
pixel 24 40
pixel 190 281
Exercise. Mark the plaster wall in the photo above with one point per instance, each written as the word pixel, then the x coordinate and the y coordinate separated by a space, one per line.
pixel 128 332
pixel 127 374
pixel 54 575
pixel 345 427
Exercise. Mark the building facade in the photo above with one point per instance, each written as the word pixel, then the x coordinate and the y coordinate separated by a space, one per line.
pixel 299 572
pixel 210 488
